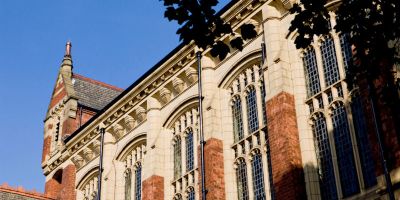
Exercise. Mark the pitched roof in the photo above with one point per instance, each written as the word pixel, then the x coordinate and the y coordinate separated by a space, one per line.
pixel 93 94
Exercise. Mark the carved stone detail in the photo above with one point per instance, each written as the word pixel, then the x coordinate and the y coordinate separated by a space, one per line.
pixel 191 74
pixel 117 131
pixel 178 84
pixel 129 122
pixel 78 161
pixel 140 113
pixel 165 94
pixel 87 154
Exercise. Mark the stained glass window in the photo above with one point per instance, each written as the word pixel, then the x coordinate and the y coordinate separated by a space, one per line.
pixel 311 71
pixel 177 158
pixel 241 174
pixel 237 118
pixel 330 66
pixel 252 117
pixel 258 177
pixel 138 182
pixel 189 151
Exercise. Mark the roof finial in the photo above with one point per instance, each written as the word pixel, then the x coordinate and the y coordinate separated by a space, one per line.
pixel 68 49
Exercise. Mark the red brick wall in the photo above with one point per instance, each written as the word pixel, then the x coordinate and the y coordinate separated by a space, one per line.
pixel 287 171
pixel 56 98
pixel 68 183
pixel 214 169
pixel 153 188
pixel 62 185
pixel 69 126
pixel 46 147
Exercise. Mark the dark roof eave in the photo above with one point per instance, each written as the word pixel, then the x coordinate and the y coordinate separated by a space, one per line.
pixel 140 79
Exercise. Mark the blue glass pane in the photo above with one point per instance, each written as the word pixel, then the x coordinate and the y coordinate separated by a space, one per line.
pixel 331 70
pixel 241 175
pixel 364 149
pixel 346 50
pixel 324 157
pixel 252 110
pixel 311 71
pixel 344 152
pixel 258 178
pixel 138 185
pixel 189 151
pixel 237 118
pixel 191 195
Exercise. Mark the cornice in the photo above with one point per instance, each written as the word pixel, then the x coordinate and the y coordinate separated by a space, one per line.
pixel 181 63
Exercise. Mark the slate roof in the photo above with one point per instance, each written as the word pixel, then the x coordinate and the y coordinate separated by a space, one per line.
pixel 93 94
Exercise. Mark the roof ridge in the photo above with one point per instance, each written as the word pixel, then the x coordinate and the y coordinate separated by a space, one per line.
pixel 21 191
pixel 96 82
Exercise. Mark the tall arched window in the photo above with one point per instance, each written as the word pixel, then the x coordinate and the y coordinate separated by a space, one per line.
pixel 184 127
pixel 364 148
pixel 330 66
pixel 132 156
pixel 346 50
pixel 191 195
pixel 311 72
pixel 249 134
pixel 177 158
pixel 189 150
pixel 237 118
pixel 138 182
pixel 344 152
pixel 324 157
pixel 241 174
pixel 252 116
pixel 128 182
pixel 258 177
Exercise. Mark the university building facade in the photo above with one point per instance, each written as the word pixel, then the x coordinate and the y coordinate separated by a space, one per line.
pixel 285 128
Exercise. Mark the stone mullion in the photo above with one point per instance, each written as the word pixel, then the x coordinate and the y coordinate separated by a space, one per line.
pixel 265 166
pixel 320 65
pixel 249 171
pixel 339 57
pixel 329 125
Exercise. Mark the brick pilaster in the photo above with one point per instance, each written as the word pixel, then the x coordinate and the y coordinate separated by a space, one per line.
pixel 68 183
pixel 287 170
pixel 153 188
pixel 214 169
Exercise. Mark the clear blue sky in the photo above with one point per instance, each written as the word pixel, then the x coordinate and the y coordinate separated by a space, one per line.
pixel 114 41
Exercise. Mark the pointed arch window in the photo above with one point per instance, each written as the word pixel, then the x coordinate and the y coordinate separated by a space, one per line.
pixel 189 151
pixel 344 152
pixel 177 158
pixel 241 175
pixel 252 116
pixel 364 148
pixel 258 177
pixel 330 66
pixel 311 72
pixel 138 182
pixel 191 194
pixel 324 157
pixel 128 182
pixel 237 118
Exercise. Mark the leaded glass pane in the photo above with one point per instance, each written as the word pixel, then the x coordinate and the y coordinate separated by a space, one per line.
pixel 128 181
pixel 237 118
pixel 191 195
pixel 264 111
pixel 252 110
pixel 177 158
pixel 346 50
pixel 344 152
pixel 331 70
pixel 189 151
pixel 241 175
pixel 364 148
pixel 138 183
pixel 258 178
pixel 324 157
pixel 311 71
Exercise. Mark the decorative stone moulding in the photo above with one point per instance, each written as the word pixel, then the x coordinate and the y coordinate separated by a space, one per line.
pixel 191 74
pixel 95 147
pixel 178 84
pixel 165 94
pixel 140 113
pixel 78 161
pixel 87 154
pixel 117 131
pixel 129 122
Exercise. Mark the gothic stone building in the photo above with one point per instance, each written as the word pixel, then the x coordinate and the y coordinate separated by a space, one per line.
pixel 286 128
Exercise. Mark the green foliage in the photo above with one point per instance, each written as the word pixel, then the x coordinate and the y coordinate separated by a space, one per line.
pixel 373 25
pixel 199 22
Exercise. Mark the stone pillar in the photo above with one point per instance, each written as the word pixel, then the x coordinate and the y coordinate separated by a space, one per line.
pixel 107 184
pixel 213 150
pixel 286 161
pixel 153 167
